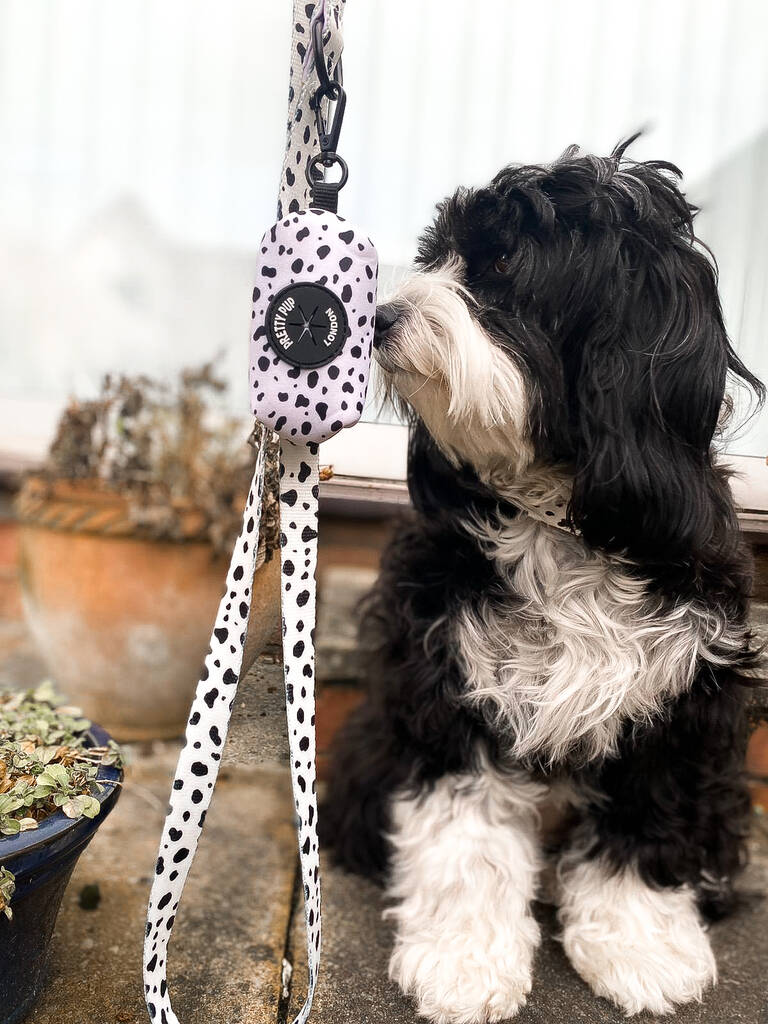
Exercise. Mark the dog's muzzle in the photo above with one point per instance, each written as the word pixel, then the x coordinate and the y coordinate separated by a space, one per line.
pixel 387 316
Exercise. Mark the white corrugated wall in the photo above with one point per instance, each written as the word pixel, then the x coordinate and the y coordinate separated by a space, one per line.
pixel 180 105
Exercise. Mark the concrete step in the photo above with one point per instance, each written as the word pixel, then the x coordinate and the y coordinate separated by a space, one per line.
pixel 258 733
pixel 226 958
pixel 354 988
pixel 240 915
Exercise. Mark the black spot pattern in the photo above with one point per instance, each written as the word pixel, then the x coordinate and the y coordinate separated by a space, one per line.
pixel 315 247
pixel 199 759
pixel 299 548
pixel 206 731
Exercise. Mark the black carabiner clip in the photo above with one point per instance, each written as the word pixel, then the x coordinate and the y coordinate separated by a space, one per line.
pixel 325 193
pixel 328 134
pixel 330 89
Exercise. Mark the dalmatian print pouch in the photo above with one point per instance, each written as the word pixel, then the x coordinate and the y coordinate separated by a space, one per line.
pixel 312 324
pixel 314 304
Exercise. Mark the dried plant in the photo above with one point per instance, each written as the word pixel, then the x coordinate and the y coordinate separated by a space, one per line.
pixel 170 451
pixel 46 766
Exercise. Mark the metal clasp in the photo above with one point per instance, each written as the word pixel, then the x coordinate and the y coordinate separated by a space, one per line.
pixel 328 134
pixel 329 127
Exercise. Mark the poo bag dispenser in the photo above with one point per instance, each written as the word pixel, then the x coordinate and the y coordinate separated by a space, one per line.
pixel 314 307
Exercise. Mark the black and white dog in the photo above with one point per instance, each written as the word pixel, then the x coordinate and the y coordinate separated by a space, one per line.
pixel 565 611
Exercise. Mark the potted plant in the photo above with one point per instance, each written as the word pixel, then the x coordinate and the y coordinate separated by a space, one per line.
pixel 124 543
pixel 59 778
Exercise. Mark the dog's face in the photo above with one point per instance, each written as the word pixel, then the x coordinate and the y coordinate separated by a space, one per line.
pixel 565 315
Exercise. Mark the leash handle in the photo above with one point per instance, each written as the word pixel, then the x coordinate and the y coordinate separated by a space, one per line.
pixel 208 724
pixel 200 757
pixel 299 486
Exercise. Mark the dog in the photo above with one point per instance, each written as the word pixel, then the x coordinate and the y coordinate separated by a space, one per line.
pixel 564 612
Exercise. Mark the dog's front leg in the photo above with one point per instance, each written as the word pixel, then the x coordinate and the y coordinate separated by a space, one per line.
pixel 463 873
pixel 662 838
pixel 643 947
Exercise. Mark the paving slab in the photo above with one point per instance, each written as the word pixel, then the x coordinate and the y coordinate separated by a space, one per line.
pixel 258 734
pixel 354 989
pixel 227 952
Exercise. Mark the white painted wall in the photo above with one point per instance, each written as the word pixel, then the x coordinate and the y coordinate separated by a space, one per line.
pixel 140 147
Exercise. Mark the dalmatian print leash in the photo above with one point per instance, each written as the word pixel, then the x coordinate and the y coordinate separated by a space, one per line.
pixel 200 758
pixel 208 722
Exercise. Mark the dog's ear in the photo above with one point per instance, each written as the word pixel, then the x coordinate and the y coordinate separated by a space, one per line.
pixel 644 410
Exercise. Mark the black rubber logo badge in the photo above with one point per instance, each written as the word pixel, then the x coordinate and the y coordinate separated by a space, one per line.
pixel 306 325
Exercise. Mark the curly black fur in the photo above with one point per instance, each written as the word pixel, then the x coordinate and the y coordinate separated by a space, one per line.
pixel 675 802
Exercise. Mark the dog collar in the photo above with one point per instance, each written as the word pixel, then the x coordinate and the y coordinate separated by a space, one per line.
pixel 549 515
pixel 544 497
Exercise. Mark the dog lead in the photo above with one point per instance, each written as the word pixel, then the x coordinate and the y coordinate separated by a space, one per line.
pixel 314 305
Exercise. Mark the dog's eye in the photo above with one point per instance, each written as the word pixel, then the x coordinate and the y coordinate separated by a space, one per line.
pixel 502 264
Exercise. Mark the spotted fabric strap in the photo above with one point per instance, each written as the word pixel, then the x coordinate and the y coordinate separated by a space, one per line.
pixel 299 484
pixel 544 497
pixel 208 723
pixel 199 760
pixel 301 141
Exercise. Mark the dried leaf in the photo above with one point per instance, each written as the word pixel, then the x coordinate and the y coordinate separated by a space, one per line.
pixel 174 453
pixel 72 807
pixel 7 889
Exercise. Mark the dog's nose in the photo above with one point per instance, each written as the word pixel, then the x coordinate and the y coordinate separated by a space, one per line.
pixel 387 316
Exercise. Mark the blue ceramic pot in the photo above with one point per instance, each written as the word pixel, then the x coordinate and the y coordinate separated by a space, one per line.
pixel 42 861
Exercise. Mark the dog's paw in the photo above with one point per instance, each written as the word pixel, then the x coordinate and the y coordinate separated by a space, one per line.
pixel 456 981
pixel 642 948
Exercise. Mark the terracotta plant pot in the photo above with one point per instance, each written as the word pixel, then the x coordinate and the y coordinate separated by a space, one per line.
pixel 123 622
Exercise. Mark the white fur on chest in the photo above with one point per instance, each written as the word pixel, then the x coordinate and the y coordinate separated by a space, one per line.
pixel 578 647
